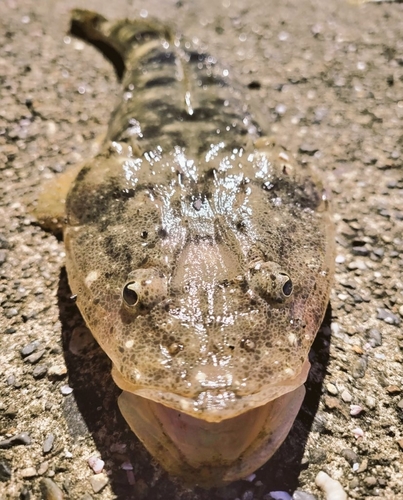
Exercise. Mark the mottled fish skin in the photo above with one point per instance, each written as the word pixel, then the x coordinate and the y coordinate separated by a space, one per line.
pixel 200 253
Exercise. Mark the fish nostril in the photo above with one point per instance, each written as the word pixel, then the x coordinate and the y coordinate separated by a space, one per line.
pixel 175 348
pixel 248 344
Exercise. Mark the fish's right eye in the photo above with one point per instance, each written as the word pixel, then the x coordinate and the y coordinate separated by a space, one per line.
pixel 130 296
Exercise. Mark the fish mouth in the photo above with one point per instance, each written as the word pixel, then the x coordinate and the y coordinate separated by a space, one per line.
pixel 216 437
pixel 211 454
pixel 214 404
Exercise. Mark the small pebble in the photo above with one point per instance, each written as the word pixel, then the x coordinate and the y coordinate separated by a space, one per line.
pixel 340 259
pixel 363 466
pixel 379 252
pixel 370 481
pixel 22 438
pixel 354 483
pixel 5 470
pixel 248 495
pixel 29 349
pixel 280 495
pixel 303 495
pixel 57 372
pixel 350 456
pixel 393 389
pixel 355 410
pixel 388 317
pixel 358 432
pixel 48 443
pixel 35 357
pixel 96 464
pixel 11 313
pixel 401 311
pixel 375 337
pixel 346 396
pixel 332 488
pixel 360 250
pixel 357 264
pixel 250 478
pixel 129 466
pixel 39 371
pixel 66 390
pixel 28 472
pixel 359 368
pixel 98 482
pixel 43 468
pixel 370 402
pixel 50 490
pixel 332 389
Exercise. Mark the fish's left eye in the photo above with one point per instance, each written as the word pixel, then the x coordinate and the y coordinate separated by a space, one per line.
pixel 144 288
pixel 130 296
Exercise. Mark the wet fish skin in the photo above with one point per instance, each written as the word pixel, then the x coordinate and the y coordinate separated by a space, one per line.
pixel 201 256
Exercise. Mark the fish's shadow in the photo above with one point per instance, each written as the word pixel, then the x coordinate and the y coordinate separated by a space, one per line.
pixel 92 409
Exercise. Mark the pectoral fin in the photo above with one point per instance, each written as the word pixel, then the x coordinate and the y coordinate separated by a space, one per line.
pixel 50 207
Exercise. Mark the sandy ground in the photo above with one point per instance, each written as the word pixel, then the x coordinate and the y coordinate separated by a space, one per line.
pixel 331 79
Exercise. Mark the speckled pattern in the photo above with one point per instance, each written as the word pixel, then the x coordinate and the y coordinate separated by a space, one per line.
pixel 201 257
pixel 329 77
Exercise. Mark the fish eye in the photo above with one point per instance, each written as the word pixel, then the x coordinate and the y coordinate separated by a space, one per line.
pixel 287 287
pixel 130 296
pixel 269 281
pixel 144 288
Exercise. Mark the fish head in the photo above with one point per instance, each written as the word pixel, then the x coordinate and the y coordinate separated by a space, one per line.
pixel 206 288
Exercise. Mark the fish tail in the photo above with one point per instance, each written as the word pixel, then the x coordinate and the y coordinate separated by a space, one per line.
pixel 116 39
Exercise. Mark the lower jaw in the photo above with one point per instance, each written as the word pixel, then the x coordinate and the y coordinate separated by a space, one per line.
pixel 211 454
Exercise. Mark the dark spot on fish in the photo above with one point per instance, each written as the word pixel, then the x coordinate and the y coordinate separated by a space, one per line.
pixel 160 58
pixel 210 173
pixel 162 81
pixel 254 85
pixel 82 173
pixel 210 80
pixel 162 232
pixel 127 193
pixel 196 57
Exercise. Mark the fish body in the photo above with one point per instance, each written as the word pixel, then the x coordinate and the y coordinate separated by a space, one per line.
pixel 201 256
